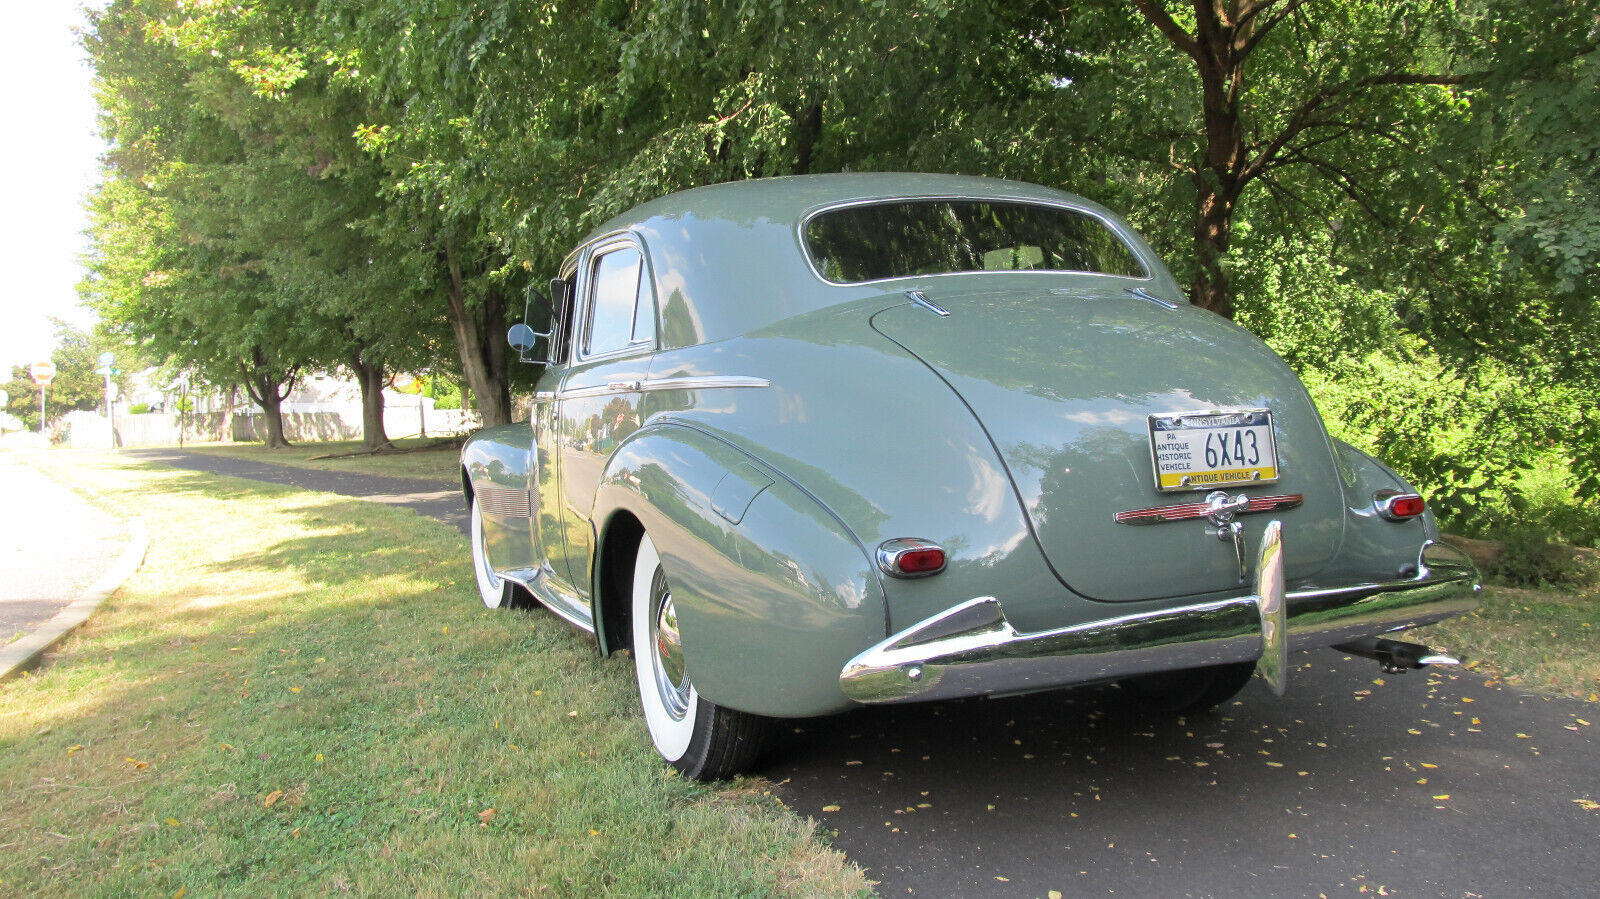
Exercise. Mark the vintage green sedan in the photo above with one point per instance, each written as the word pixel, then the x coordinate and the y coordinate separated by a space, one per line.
pixel 807 444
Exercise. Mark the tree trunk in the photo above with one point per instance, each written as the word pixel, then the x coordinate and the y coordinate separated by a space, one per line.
pixel 1219 46
pixel 808 130
pixel 268 387
pixel 373 435
pixel 225 432
pixel 272 410
pixel 1213 230
pixel 480 335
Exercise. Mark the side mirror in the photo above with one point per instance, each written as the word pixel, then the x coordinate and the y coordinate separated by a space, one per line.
pixel 522 338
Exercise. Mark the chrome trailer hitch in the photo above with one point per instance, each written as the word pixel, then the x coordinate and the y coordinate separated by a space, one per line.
pixel 1395 656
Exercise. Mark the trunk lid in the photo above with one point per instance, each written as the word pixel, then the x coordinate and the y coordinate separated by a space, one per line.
pixel 1063 375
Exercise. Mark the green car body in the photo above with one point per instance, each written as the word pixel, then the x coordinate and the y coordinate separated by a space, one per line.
pixel 772 422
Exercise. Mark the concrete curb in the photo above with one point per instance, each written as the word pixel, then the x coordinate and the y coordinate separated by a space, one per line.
pixel 24 654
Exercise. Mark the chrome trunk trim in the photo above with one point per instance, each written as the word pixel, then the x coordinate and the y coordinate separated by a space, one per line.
pixel 972 649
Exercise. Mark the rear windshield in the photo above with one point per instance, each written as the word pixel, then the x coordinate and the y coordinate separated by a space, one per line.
pixel 932 237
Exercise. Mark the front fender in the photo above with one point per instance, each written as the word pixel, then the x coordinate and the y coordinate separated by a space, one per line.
pixel 774 594
pixel 495 469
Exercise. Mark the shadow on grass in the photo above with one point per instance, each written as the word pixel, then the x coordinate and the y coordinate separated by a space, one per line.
pixel 336 712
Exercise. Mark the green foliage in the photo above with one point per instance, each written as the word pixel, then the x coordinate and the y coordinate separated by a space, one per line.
pixel 446 395
pixel 1398 195
pixel 1531 558
pixel 76 385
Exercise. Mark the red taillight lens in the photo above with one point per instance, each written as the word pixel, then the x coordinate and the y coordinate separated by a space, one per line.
pixel 1397 506
pixel 922 561
pixel 910 557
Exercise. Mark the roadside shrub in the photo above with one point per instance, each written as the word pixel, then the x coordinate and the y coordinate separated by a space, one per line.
pixel 1468 442
pixel 138 408
pixel 1531 558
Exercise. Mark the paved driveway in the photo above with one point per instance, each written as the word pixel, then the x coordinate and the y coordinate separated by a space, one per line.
pixel 1355 783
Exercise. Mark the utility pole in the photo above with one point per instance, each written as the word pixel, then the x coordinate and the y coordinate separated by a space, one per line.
pixel 43 373
pixel 105 369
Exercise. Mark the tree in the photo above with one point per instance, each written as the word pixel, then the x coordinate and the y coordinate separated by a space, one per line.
pixel 76 386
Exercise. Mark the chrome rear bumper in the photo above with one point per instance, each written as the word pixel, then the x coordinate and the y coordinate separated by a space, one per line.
pixel 972 649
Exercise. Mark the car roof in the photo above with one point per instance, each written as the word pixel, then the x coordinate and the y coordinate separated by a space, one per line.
pixel 790 198
pixel 727 259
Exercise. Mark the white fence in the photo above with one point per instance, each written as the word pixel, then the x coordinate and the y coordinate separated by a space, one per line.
pixel 88 429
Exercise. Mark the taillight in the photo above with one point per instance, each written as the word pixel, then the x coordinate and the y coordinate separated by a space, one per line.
pixel 910 557
pixel 1397 506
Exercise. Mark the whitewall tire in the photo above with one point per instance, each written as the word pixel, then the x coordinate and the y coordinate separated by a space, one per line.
pixel 496 591
pixel 700 738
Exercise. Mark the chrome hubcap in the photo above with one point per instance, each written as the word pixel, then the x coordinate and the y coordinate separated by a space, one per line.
pixel 666 652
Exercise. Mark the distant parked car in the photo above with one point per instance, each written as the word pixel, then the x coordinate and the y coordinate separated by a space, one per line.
pixel 805 444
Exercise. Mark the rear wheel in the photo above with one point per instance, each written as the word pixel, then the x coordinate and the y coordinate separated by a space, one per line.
pixel 1192 690
pixel 496 591
pixel 700 738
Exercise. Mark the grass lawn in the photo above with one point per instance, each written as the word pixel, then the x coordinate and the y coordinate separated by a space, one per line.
pixel 1546 639
pixel 301 694
pixel 438 463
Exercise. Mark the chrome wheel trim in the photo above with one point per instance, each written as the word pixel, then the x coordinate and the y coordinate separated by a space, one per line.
pixel 491 587
pixel 670 707
pixel 666 650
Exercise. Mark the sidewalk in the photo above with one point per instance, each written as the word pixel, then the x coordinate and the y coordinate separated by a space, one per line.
pixel 55 549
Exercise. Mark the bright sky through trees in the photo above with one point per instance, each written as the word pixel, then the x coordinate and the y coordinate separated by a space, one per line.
pixel 50 159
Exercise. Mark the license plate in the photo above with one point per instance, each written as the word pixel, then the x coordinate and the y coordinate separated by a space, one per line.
pixel 1199 450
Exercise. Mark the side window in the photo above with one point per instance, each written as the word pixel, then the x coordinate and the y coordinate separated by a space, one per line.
pixel 613 301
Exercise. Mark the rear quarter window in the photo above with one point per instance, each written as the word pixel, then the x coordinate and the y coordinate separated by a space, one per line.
pixel 904 238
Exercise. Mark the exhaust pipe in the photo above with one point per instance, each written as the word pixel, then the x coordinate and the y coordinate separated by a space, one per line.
pixel 1394 656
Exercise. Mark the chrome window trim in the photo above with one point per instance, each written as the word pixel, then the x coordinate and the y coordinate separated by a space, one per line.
pixel 591 252
pixel 811 263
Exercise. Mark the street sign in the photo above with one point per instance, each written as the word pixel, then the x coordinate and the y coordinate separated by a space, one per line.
pixel 43 372
pixel 106 359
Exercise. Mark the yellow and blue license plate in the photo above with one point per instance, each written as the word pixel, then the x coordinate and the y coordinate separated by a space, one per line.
pixel 1202 450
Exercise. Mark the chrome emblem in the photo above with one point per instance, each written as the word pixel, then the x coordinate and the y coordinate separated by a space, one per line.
pixel 1219 510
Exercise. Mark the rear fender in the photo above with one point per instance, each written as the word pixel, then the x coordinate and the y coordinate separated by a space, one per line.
pixel 774 594
pixel 1373 546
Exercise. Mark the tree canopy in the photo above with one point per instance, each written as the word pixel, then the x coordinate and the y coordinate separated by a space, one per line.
pixel 1367 185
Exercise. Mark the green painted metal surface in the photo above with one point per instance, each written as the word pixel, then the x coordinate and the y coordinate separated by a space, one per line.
pixel 1008 431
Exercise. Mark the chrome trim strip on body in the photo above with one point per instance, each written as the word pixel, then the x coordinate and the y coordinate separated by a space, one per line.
pixel 505 501
pixel 921 299
pixel 1143 294
pixel 1188 511
pixel 972 649
pixel 708 382
pixel 567 605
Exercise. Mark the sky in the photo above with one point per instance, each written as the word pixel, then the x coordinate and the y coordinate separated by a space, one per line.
pixel 50 160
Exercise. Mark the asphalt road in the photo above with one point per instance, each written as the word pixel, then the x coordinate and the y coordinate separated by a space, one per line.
pixel 1356 783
